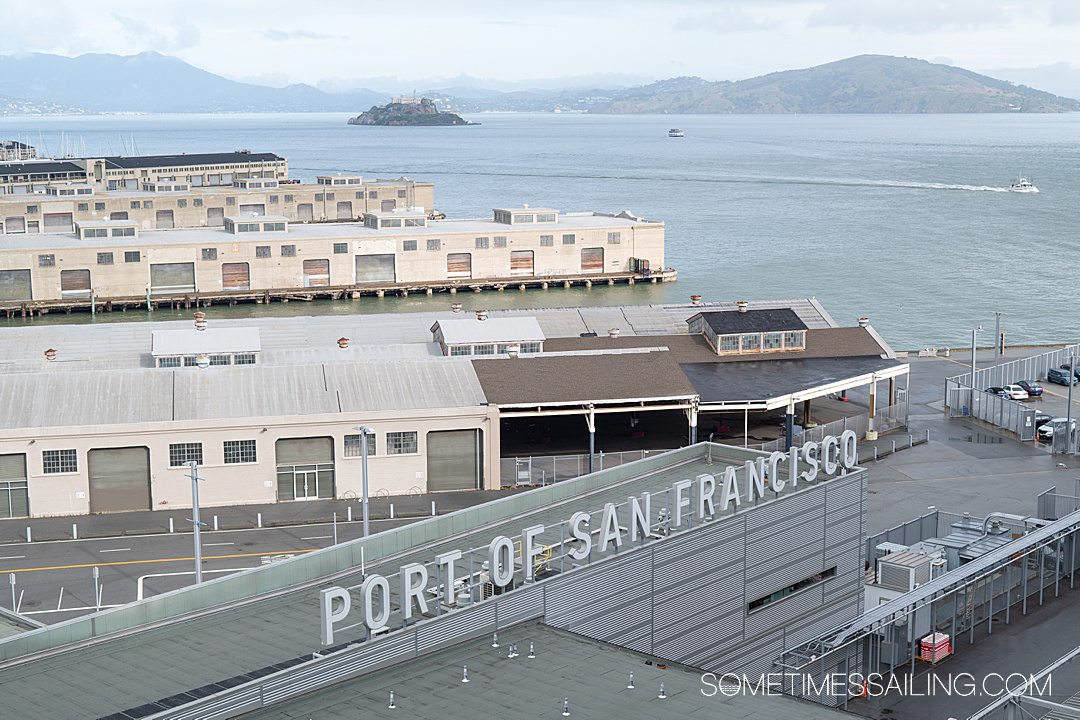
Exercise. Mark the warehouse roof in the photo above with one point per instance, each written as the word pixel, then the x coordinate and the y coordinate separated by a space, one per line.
pixel 185 159
pixel 493 330
pixel 209 341
pixel 730 322
pixel 38 167
pixel 582 378
pixel 591 676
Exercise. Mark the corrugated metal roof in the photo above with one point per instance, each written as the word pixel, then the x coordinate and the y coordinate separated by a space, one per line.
pixel 187 160
pixel 492 330
pixel 217 340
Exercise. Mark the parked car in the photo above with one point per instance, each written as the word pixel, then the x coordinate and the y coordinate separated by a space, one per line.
pixel 1015 392
pixel 1076 370
pixel 1046 432
pixel 1059 376
pixel 1033 389
pixel 1041 419
pixel 999 391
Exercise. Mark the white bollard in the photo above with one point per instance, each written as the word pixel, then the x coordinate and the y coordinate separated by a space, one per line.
pixel 215 522
pixel 391 511
pixel 258 520
pixel 74 531
pixel 432 508
pixel 172 527
pixel 349 513
pixel 29 535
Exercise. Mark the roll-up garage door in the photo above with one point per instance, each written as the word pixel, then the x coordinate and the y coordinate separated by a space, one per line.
pixel 253 209
pixel 316 273
pixel 375 268
pixel 118 215
pixel 119 479
pixel 521 262
pixel 163 220
pixel 215 217
pixel 14 225
pixel 305 468
pixel 15 285
pixel 74 282
pixel 592 259
pixel 344 210
pixel 387 205
pixel 172 277
pixel 304 212
pixel 58 223
pixel 454 460
pixel 304 451
pixel 14 496
pixel 459 265
pixel 235 276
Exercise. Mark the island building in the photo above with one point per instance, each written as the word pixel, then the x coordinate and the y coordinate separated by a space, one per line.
pixel 13 150
pixel 105 418
pixel 257 255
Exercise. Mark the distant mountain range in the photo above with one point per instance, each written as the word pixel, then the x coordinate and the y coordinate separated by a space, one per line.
pixel 154 83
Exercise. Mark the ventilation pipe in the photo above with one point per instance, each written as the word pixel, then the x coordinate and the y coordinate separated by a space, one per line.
pixel 455 307
pixel 864 321
pixel 695 299
pixel 50 354
pixel 481 314
pixel 742 305
pixel 343 342
pixel 200 321
pixel 613 333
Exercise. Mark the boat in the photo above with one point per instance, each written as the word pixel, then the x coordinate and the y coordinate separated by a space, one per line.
pixel 1023 185
pixel 675 132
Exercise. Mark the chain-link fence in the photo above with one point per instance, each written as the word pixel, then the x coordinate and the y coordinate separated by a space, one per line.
pixel 1011 415
pixel 1029 368
pixel 547 469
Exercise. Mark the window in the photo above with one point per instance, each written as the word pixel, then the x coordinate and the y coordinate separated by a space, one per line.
pixel 772 341
pixel 244 359
pixel 482 243
pixel 290 198
pixel 273 199
pixel 104 258
pixel 46 260
pixel 547 241
pixel 794 339
pixel 262 251
pixel 434 243
pixel 246 227
pixel 341 248
pixel 230 201
pixel 359 195
pixel 197 202
pixel 99 206
pixel 401 443
pixel 191 360
pixel 288 251
pixel 220 359
pixel 94 232
pixel 135 205
pixel 209 253
pixel 793 588
pixel 31 209
pixel 461 349
pixel 545 217
pixel 132 256
pixel 408 245
pixel 415 222
pixel 568 239
pixel 273 227
pixel 181 203
pixel 239 451
pixel 147 204
pixel 500 241
pixel 84 207
pixel 614 238
pixel 318 197
pixel 727 343
pixel 373 194
pixel 180 454
pixel 521 219
pixel 169 362
pixel 401 193
pixel 352 445
pixel 484 350
pixel 530 347
pixel 329 196
pixel 59 461
pixel 751 341
pixel 123 232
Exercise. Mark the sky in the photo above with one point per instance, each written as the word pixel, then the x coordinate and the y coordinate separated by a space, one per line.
pixel 338 44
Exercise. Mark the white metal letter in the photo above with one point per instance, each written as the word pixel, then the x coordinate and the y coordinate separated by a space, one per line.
pixel 501 557
pixel 414 580
pixel 755 478
pixel 372 618
pixel 449 578
pixel 580 533
pixel 828 455
pixel 640 511
pixel 706 490
pixel 681 500
pixel 850 451
pixel 731 490
pixel 609 528
pixel 777 482
pixel 810 457
pixel 529 549
pixel 329 615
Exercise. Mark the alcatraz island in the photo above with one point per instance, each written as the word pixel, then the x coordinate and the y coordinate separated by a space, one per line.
pixel 408 111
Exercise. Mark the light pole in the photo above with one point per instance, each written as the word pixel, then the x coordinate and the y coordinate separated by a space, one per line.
pixel 195 523
pixel 1068 411
pixel 364 431
pixel 997 336
pixel 974 333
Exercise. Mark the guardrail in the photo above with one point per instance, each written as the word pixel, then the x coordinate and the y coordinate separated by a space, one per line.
pixel 547 469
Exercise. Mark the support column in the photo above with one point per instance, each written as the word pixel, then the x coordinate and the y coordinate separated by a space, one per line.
pixel 871 429
pixel 806 413
pixel 789 425
pixel 590 420
pixel 892 394
pixel 692 415
pixel 746 428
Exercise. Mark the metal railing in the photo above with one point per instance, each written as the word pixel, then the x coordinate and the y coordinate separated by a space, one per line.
pixel 547 469
pixel 1010 415
pixel 1029 368
pixel 886 420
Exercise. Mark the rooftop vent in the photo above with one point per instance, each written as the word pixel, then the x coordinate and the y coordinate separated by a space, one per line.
pixel 613 333
pixel 742 305
pixel 695 299
pixel 343 342
pixel 455 307
pixel 481 314
pixel 864 321
pixel 200 321
pixel 50 354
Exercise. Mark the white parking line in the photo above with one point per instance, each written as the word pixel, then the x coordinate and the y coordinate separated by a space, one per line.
pixel 318 537
pixel 217 544
pixel 13 557
pixel 139 584
pixel 116 550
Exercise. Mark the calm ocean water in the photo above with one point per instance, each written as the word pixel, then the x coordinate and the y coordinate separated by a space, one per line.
pixel 902 218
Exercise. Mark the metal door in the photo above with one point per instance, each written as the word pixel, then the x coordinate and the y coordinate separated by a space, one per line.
pixel 172 277
pixel 215 217
pixel 74 283
pixel 15 285
pixel 316 273
pixel 235 276
pixel 57 223
pixel 375 268
pixel 14 493
pixel 14 225
pixel 592 259
pixel 344 210
pixel 253 209
pixel 304 212
pixel 387 205
pixel 454 460
pixel 521 262
pixel 163 220
pixel 119 479
pixel 459 265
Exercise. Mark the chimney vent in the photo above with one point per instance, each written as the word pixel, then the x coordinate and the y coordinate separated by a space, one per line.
pixel 613 333
pixel 513 349
pixel 864 321
pixel 481 314
pixel 455 307
pixel 50 354
pixel 200 321
pixel 695 299
pixel 343 342
pixel 742 305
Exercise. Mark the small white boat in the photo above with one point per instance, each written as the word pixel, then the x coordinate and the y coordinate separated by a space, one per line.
pixel 675 132
pixel 1023 185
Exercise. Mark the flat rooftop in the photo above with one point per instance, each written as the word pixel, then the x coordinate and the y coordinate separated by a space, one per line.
pixel 592 676
pixel 275 621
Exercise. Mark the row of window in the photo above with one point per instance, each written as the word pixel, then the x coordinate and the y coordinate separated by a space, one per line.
pixel 235 452
pixel 106 232
pixel 756 342
pixel 193 360
pixel 492 349
pixel 103 258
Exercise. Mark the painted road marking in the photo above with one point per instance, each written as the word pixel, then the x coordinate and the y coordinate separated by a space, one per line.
pixel 13 557
pixel 217 544
pixel 116 550
pixel 318 537
pixel 151 561
pixel 139 585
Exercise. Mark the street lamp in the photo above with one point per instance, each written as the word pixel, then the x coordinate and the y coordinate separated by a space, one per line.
pixel 997 335
pixel 364 431
pixel 195 523
pixel 974 333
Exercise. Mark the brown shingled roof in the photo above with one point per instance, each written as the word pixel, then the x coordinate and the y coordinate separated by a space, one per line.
pixel 545 379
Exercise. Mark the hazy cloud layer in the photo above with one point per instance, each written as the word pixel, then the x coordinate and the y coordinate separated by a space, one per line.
pixel 343 43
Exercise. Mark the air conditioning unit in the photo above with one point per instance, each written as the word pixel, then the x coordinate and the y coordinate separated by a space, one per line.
pixel 885 548
pixel 903 571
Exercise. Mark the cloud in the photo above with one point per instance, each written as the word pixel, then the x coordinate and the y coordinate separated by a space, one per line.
pixel 1064 12
pixel 143 33
pixel 285 35
pixel 943 60
pixel 726 21
pixel 913 16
